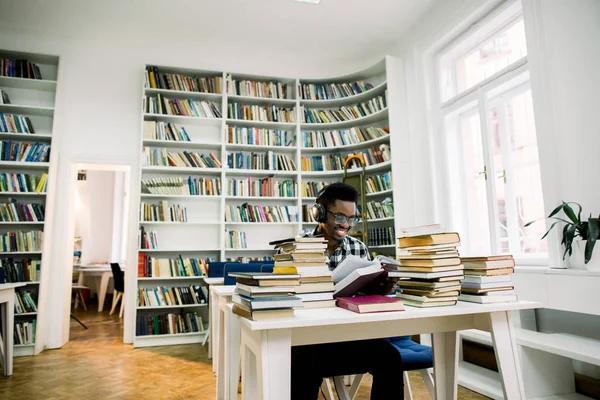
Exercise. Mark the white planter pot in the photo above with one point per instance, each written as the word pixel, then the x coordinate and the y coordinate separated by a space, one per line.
pixel 577 259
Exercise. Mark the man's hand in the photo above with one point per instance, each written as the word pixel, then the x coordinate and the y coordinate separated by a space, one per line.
pixel 389 285
pixel 383 285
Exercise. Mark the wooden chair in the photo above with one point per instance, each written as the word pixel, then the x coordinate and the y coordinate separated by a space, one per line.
pixel 119 283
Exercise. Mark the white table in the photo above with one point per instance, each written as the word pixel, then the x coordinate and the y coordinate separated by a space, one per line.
pixel 219 297
pixel 103 271
pixel 7 308
pixel 212 310
pixel 266 345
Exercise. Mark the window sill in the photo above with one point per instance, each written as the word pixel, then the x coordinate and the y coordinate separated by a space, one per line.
pixel 527 269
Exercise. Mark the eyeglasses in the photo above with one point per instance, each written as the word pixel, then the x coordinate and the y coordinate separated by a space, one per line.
pixel 342 219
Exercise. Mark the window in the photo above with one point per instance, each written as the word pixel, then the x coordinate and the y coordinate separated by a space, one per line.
pixel 491 143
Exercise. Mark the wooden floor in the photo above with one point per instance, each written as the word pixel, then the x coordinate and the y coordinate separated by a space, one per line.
pixel 95 364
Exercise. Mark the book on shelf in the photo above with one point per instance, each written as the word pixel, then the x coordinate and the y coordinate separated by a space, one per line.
pixel 22 151
pixel 345 113
pixel 190 186
pixel 305 256
pixel 383 236
pixel 25 302
pixel 311 189
pixel 259 213
pixel 13 211
pixel 329 91
pixel 370 304
pixel 163 212
pixel 161 296
pixel 379 183
pixel 22 183
pixel 260 161
pixel 159 130
pixel 21 241
pixel 148 239
pixel 259 136
pixel 264 113
pixel 265 295
pixel 23 270
pixel 379 209
pixel 14 123
pixel 154 79
pixel 181 107
pixel 262 187
pixel 250 88
pixel 25 332
pixel 19 68
pixel 236 240
pixel 152 324
pixel 342 137
pixel 162 157
pixel 4 98
pixel 153 267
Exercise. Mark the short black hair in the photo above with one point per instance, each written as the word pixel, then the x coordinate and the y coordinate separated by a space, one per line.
pixel 337 191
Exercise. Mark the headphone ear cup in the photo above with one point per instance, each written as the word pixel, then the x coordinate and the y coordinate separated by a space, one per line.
pixel 318 212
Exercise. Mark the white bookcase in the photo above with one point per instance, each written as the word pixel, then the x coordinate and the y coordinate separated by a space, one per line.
pixel 205 235
pixel 34 99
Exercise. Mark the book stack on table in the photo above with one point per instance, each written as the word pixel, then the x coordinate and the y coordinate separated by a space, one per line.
pixel 430 269
pixel 305 256
pixel 262 296
pixel 488 279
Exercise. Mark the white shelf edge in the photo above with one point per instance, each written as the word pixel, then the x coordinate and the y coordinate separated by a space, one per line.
pixel 177 251
pixel 179 143
pixel 168 278
pixel 361 145
pixel 233 197
pixel 178 196
pixel 353 99
pixel 172 223
pixel 170 307
pixel 235 146
pixel 376 116
pixel 248 250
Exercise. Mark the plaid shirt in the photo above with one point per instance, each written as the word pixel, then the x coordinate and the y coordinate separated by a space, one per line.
pixel 348 246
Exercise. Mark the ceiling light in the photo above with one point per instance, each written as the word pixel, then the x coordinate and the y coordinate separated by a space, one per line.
pixel 309 1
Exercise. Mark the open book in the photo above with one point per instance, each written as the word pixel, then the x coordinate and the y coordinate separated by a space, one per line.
pixel 354 273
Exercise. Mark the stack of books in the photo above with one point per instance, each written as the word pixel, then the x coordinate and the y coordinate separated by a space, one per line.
pixel 305 256
pixel 488 279
pixel 261 296
pixel 430 268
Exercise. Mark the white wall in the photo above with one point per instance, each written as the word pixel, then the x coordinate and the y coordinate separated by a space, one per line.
pixel 103 47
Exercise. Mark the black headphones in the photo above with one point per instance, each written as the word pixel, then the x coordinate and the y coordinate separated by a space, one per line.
pixel 318 211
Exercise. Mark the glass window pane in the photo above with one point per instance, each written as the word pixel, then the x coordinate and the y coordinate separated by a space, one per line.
pixel 517 174
pixel 475 185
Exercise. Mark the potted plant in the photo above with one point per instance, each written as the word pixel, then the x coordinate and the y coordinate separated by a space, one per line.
pixel 574 227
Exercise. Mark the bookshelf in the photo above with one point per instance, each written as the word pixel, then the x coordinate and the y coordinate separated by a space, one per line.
pixel 26 133
pixel 257 125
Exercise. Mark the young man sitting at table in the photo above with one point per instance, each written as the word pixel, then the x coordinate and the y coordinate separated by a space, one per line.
pixel 335 211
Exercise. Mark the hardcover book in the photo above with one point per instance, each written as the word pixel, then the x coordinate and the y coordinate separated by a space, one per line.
pixel 369 304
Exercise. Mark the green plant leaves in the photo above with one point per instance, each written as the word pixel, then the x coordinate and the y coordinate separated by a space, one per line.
pixel 593 233
pixel 571 214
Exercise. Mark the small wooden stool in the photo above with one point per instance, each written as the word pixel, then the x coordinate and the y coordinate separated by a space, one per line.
pixel 78 289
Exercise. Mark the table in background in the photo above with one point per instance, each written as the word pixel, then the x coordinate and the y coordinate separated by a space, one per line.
pixel 103 271
pixel 219 297
pixel 211 282
pixel 7 308
pixel 266 345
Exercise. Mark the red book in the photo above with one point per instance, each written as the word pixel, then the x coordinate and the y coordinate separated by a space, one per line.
pixel 369 304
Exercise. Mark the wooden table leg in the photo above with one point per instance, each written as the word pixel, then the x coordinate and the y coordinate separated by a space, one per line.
pixel 445 365
pixel 507 356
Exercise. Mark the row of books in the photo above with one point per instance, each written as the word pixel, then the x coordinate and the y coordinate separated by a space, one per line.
pixel 168 323
pixel 383 236
pixel 259 136
pixel 185 107
pixel 4 99
pixel 379 183
pixel 152 267
pixel 235 240
pixel 24 270
pixel 245 259
pixel 21 241
pixel 170 296
pixel 155 79
pixel 307 214
pixel 380 209
pixel 262 187
pixel 255 112
pixel 25 302
pixel 372 156
pixel 179 186
pixel 163 212
pixel 329 91
pixel 244 87
pixel 345 113
pixel 14 123
pixel 19 68
pixel 22 151
pixel 311 189
pixel 157 156
pixel 12 211
pixel 158 130
pixel 25 332
pixel 260 213
pixel 335 162
pixel 23 183
pixel 148 239
pixel 267 160
pixel 343 137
